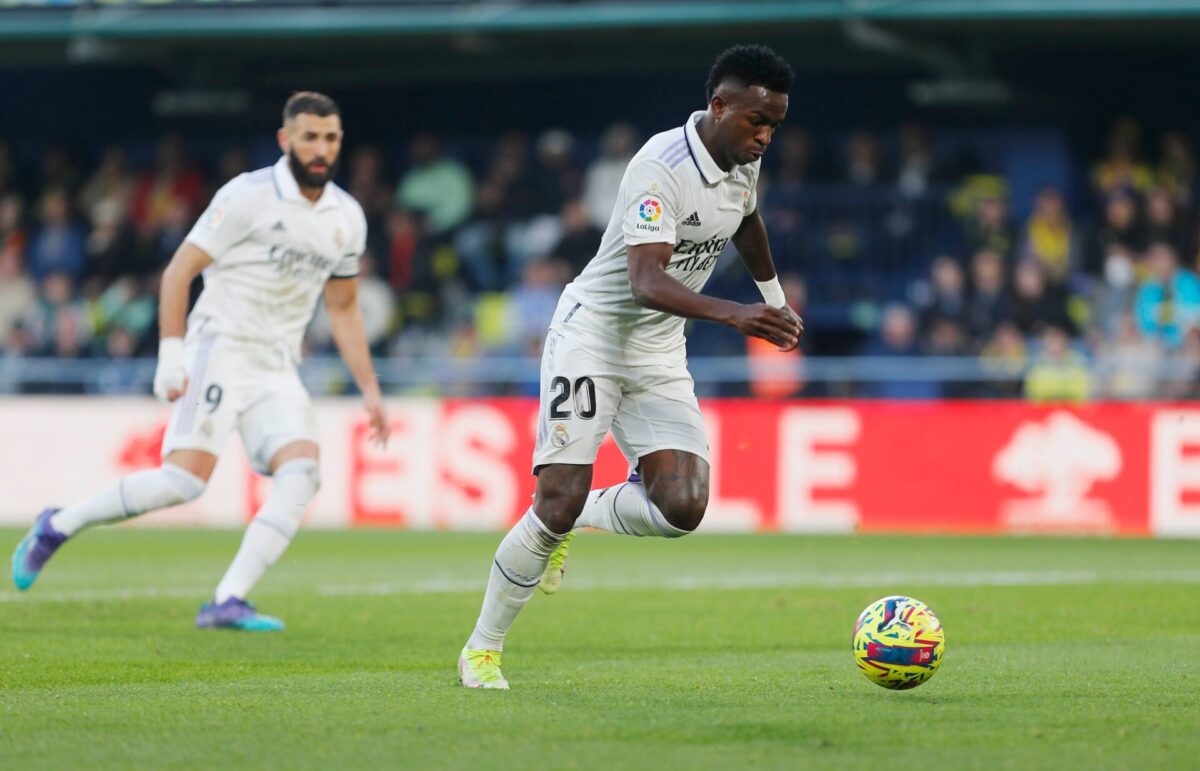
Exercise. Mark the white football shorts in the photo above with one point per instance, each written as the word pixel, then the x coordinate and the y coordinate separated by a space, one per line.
pixel 648 408
pixel 237 384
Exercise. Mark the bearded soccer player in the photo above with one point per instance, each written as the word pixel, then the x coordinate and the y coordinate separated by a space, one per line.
pixel 614 356
pixel 270 244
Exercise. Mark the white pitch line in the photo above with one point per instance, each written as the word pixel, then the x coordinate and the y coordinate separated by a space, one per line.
pixel 897 579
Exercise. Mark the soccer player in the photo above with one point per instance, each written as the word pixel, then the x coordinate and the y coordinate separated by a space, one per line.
pixel 614 356
pixel 270 243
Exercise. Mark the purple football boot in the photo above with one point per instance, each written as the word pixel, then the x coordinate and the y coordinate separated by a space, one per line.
pixel 35 550
pixel 235 613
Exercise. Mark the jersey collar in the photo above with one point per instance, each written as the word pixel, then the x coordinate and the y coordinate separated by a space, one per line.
pixel 710 172
pixel 289 190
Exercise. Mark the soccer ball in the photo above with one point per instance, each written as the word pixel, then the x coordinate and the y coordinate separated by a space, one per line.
pixel 898 642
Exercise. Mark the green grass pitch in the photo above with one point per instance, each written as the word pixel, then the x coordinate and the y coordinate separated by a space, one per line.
pixel 723 652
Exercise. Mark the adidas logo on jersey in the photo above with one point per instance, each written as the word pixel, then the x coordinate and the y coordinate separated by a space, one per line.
pixel 693 221
pixel 278 227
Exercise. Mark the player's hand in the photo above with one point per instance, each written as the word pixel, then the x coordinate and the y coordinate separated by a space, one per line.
pixel 780 326
pixel 799 322
pixel 170 377
pixel 377 416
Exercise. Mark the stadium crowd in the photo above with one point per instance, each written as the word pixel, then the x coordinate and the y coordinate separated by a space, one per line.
pixel 1093 295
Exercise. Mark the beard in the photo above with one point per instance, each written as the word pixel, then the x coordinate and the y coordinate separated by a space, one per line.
pixel 308 178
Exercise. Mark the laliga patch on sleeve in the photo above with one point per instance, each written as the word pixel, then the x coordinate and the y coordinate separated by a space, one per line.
pixel 213 217
pixel 649 212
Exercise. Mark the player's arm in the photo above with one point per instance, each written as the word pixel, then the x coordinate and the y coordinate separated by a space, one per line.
pixel 346 323
pixel 755 251
pixel 654 288
pixel 170 377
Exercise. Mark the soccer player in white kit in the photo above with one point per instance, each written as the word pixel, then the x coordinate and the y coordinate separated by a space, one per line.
pixel 270 244
pixel 615 358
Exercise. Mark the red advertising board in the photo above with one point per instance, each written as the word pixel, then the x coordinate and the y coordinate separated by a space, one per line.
pixel 972 467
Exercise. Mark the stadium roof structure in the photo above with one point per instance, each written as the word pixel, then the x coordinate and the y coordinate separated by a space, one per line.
pixel 63 19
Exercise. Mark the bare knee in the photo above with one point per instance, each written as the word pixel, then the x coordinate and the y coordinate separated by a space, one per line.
pixel 682 504
pixel 562 491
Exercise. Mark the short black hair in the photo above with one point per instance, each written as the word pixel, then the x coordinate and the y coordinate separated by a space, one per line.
pixel 749 65
pixel 309 102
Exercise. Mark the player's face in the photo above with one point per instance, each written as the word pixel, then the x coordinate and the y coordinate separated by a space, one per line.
pixel 313 144
pixel 746 121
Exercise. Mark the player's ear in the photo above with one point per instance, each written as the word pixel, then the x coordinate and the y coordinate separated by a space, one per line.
pixel 717 105
pixel 281 136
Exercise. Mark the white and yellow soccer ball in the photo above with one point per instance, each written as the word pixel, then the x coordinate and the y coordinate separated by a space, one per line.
pixel 898 642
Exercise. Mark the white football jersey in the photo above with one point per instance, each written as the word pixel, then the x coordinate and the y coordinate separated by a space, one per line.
pixel 673 192
pixel 273 250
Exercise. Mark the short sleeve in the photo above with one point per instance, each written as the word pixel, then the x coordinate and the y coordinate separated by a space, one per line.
pixel 650 196
pixel 348 262
pixel 225 222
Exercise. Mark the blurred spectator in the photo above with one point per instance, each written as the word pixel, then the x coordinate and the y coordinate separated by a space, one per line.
pixel 946 294
pixel 533 302
pixel 1034 303
pixel 111 248
pixel 1128 366
pixel 58 246
pixel 580 239
pixel 1168 300
pixel 793 149
pixel 1165 224
pixel 13 236
pixel 556 180
pixel 1058 373
pixel 864 160
pixel 988 227
pixel 108 193
pixel 1183 375
pixel 1120 226
pixel 776 374
pixel 401 268
pixel 1176 171
pixel 987 299
pixel 176 223
pixel 129 304
pixel 367 185
pixel 602 181
pixel 898 338
pixel 45 326
pixel 1115 292
pixel 917 169
pixel 1049 237
pixel 17 293
pixel 1003 359
pixel 435 186
pixel 1121 170
pixel 484 244
pixel 163 191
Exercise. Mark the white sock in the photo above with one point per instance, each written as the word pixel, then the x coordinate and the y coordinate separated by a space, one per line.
pixel 135 494
pixel 516 572
pixel 626 509
pixel 272 529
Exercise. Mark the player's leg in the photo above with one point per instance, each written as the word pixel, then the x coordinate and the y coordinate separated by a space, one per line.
pixel 181 478
pixel 580 397
pixel 518 567
pixel 279 433
pixel 200 422
pixel 660 424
